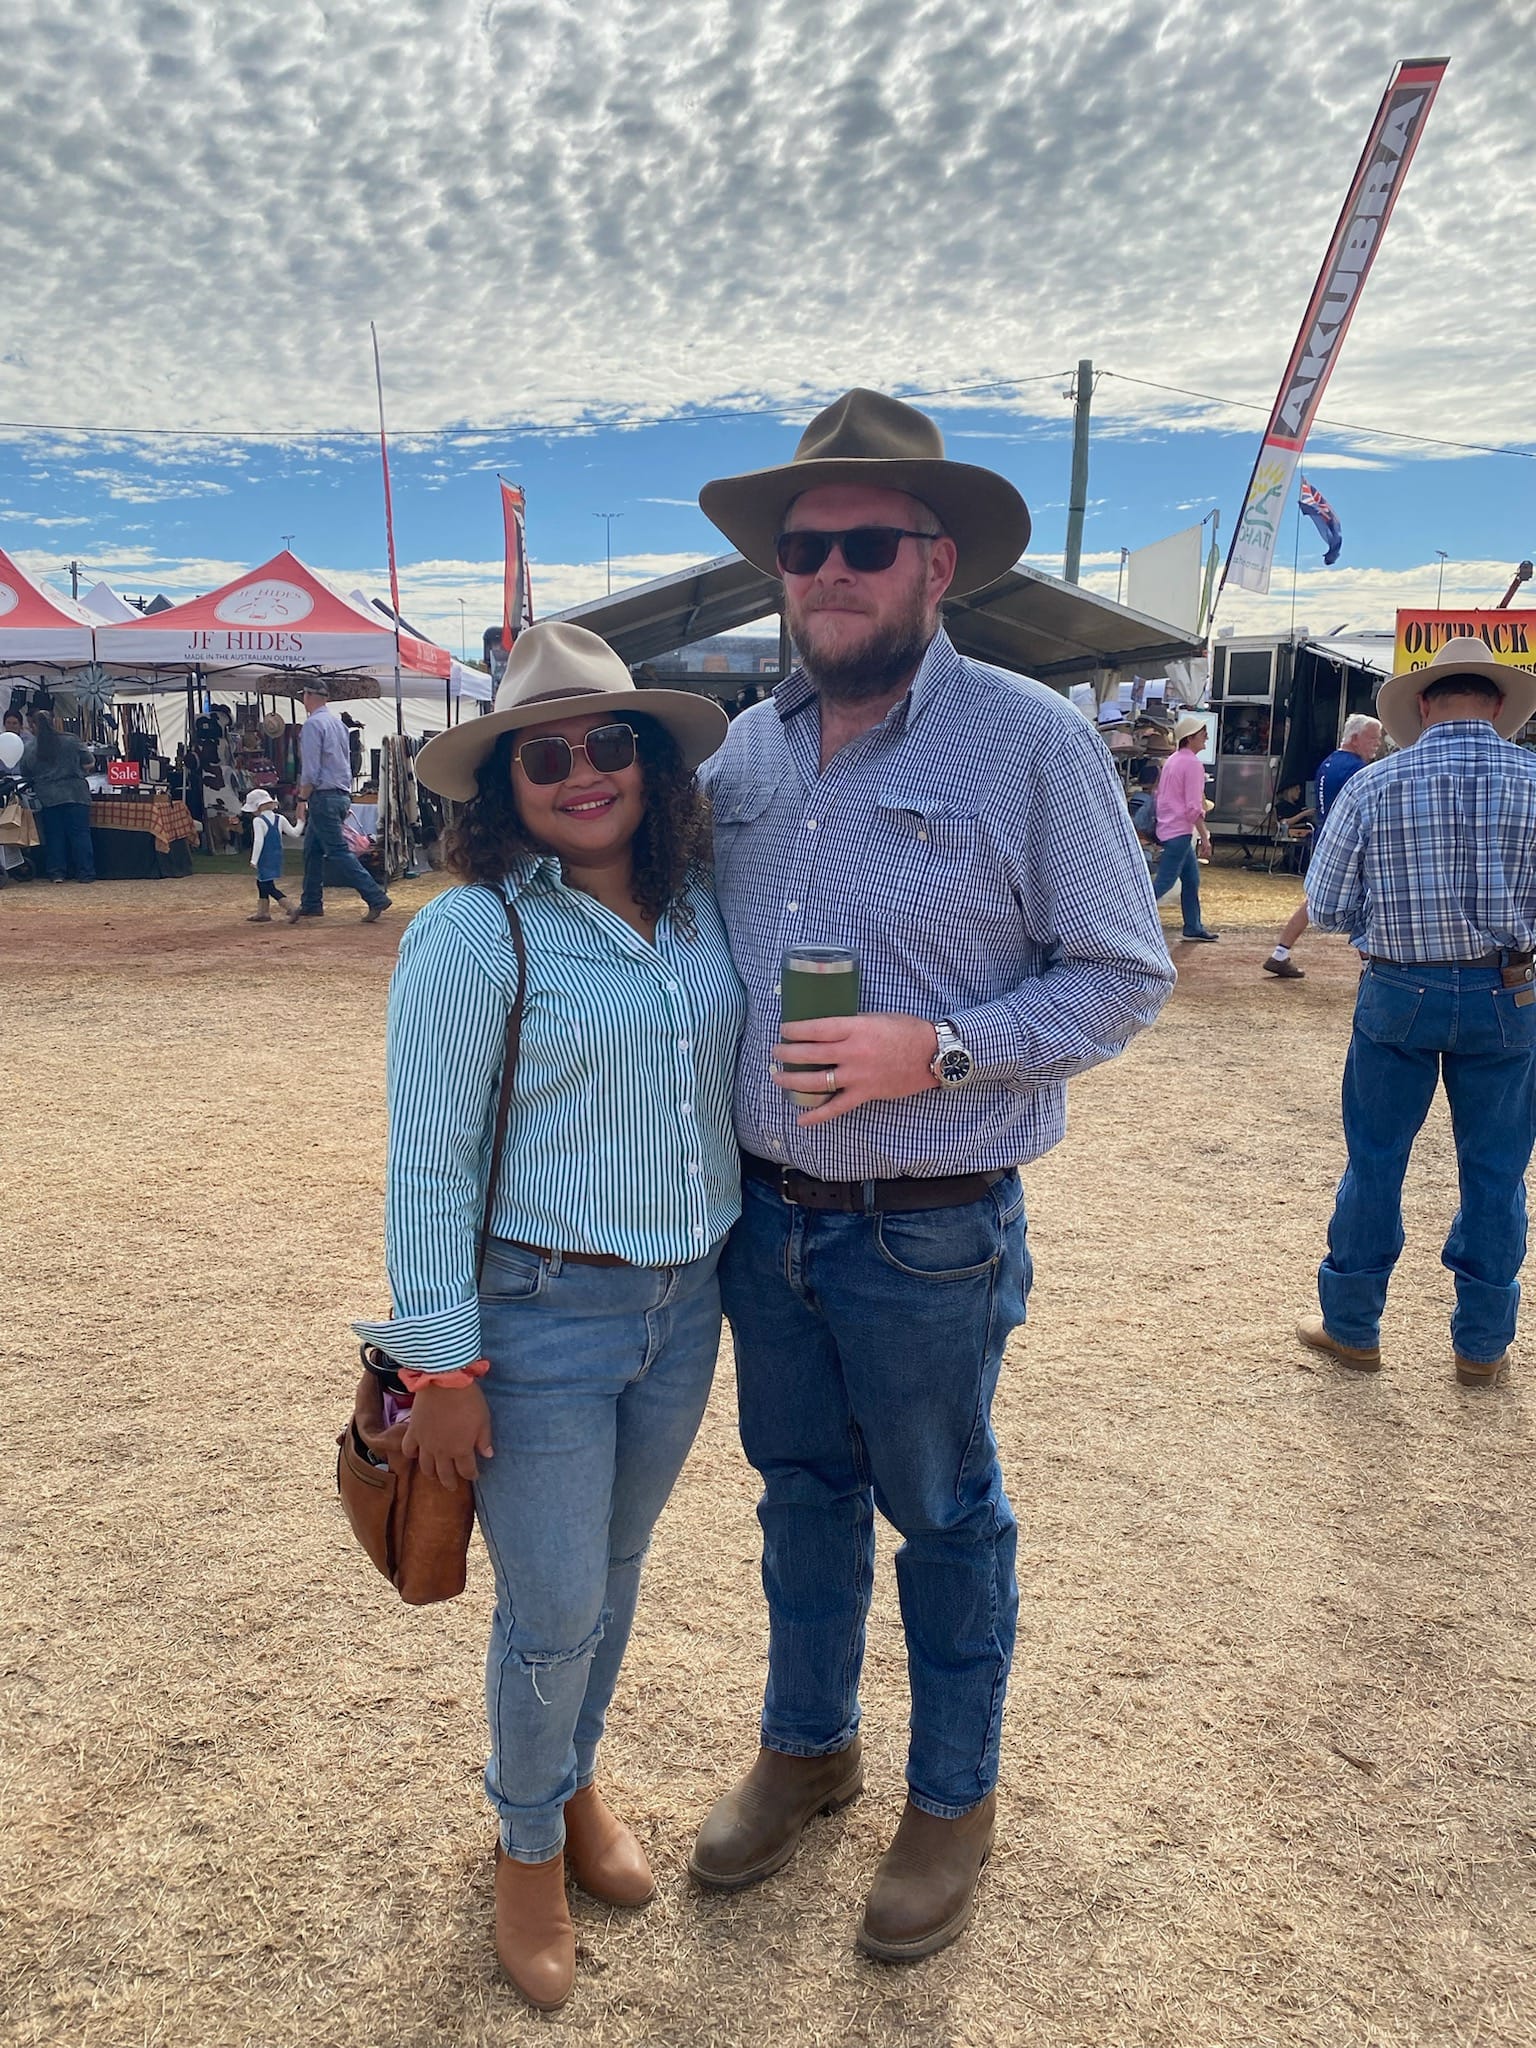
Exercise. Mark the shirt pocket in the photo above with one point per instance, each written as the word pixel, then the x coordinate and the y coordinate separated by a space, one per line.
pixel 735 812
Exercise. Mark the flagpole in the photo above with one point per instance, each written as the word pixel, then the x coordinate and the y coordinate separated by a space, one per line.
pixel 1296 557
pixel 389 525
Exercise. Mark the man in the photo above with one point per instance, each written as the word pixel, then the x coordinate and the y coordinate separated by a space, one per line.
pixel 1181 826
pixel 1359 744
pixel 963 831
pixel 325 792
pixel 1429 864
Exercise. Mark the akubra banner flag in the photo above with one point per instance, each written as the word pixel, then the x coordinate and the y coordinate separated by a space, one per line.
pixel 1362 222
pixel 517 594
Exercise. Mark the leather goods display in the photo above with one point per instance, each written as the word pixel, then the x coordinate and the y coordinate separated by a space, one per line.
pixel 414 1528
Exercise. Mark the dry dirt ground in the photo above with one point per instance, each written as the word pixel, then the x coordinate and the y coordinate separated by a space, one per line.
pixel 1267 1773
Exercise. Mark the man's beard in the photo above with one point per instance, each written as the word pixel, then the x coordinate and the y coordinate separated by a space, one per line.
pixel 879 665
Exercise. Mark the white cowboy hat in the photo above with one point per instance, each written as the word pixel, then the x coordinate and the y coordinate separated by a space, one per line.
pixel 866 438
pixel 1397 701
pixel 558 671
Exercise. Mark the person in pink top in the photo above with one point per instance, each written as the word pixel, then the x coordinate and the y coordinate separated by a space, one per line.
pixel 1181 826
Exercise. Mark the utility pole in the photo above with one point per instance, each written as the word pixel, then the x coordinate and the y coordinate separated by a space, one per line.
pixel 463 633
pixel 74 579
pixel 1077 505
pixel 608 518
pixel 1440 585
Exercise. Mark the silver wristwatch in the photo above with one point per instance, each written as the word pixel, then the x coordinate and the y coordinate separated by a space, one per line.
pixel 951 1064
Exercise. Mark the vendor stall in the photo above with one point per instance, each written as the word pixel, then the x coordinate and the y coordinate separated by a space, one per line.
pixel 141 834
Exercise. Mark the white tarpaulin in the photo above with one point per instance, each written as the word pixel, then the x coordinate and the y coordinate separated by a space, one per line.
pixel 1163 581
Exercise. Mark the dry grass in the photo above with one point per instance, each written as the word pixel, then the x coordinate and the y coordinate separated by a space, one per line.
pixel 1268 1762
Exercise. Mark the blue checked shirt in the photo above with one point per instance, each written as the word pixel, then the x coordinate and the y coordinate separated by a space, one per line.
pixel 975 852
pixel 619 1138
pixel 1431 854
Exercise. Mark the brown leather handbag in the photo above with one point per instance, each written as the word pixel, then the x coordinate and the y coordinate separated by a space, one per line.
pixel 414 1528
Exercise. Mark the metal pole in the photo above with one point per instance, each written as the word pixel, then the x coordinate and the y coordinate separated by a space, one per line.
pixel 389 526
pixel 1120 579
pixel 1078 503
pixel 1440 585
pixel 608 518
pixel 463 633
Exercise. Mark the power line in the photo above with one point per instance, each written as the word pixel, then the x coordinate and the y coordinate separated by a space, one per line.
pixel 1343 426
pixel 588 426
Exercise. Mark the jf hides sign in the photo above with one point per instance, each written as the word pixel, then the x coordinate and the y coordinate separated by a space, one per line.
pixel 1510 636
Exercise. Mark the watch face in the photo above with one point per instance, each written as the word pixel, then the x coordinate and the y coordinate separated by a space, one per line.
pixel 956 1065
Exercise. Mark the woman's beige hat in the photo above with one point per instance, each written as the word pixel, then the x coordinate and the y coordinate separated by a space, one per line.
pixel 866 438
pixel 559 671
pixel 1397 701
pixel 1188 726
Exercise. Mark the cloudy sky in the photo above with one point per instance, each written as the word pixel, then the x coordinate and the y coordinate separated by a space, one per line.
pixel 615 247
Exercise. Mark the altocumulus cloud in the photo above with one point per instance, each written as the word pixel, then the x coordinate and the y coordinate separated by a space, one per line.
pixel 555 210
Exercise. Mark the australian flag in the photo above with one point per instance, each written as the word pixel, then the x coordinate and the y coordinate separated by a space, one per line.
pixel 1325 519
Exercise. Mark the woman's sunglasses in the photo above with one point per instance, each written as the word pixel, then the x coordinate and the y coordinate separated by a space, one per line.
pixel 608 748
pixel 866 549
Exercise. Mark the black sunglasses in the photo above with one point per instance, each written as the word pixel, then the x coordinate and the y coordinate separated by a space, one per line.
pixel 608 748
pixel 866 549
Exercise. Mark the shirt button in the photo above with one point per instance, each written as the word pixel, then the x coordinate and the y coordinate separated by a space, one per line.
pixel 810 824
pixel 793 909
pixel 922 835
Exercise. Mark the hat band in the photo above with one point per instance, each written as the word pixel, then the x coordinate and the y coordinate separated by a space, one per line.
pixel 559 696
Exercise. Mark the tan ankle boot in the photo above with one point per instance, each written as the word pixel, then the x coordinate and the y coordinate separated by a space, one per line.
pixel 925 1889
pixel 602 1854
pixel 535 1940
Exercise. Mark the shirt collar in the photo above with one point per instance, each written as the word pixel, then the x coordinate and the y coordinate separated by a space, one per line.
pixel 1459 728
pixel 938 666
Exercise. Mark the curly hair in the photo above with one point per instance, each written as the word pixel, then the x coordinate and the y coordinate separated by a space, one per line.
pixel 487 840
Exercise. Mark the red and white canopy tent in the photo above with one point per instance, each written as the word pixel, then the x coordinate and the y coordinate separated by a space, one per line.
pixel 38 630
pixel 266 631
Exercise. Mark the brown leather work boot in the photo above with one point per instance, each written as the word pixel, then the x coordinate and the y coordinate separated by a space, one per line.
pixel 756 1827
pixel 535 1941
pixel 602 1854
pixel 1471 1373
pixel 925 1889
pixel 1314 1331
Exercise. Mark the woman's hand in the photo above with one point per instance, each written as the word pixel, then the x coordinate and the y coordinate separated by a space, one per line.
pixel 448 1426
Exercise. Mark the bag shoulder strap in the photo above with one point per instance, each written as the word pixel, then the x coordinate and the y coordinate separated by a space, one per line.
pixel 508 1076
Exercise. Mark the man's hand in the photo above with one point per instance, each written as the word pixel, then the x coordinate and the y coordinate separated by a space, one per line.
pixel 448 1426
pixel 1203 839
pixel 865 1059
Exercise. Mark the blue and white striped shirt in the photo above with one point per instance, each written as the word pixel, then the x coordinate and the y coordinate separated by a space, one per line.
pixel 974 850
pixel 619 1138
pixel 1431 853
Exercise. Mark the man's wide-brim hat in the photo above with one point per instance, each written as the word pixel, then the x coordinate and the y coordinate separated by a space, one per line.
pixel 1397 701
pixel 558 671
pixel 865 438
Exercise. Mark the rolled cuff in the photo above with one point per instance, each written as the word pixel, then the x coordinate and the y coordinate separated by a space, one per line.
pixel 444 1341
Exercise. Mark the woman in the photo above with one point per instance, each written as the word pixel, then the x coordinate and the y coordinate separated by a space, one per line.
pixel 55 763
pixel 569 1385
pixel 1181 826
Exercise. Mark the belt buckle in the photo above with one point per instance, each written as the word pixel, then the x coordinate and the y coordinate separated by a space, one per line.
pixel 784 1195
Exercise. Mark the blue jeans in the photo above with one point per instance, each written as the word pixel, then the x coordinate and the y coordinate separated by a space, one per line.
pixel 323 842
pixel 1177 863
pixel 867 1352
pixel 1415 1026
pixel 66 832
pixel 598 1381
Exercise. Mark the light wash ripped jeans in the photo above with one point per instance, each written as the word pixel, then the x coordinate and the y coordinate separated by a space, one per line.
pixel 597 1384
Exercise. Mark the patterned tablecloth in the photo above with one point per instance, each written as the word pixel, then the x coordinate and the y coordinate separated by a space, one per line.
pixel 162 816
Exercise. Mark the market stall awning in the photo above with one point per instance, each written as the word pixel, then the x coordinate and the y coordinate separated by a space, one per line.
pixel 277 617
pixel 1027 621
pixel 37 627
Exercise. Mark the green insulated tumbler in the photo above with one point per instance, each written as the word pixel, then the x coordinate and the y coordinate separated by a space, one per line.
pixel 817 981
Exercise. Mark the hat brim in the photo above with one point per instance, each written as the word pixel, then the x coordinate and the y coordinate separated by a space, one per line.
pixel 1397 700
pixel 982 513
pixel 449 763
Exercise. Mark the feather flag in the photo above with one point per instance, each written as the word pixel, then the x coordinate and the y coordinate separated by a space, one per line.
pixel 517 594
pixel 1325 519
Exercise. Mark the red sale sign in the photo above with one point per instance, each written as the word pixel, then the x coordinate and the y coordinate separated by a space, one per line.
pixel 123 774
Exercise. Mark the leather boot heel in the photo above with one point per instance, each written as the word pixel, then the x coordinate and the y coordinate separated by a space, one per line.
pixel 603 1855
pixel 535 1941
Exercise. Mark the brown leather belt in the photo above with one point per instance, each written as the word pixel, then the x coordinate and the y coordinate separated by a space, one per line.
pixel 1500 957
pixel 570 1258
pixel 869 1197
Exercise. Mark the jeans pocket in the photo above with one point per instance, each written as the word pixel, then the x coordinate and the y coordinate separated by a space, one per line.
pixel 511 1273
pixel 1387 1011
pixel 941 1244
pixel 1517 1021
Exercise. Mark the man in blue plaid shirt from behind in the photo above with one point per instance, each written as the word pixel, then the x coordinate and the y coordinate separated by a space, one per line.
pixel 1428 863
